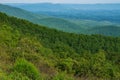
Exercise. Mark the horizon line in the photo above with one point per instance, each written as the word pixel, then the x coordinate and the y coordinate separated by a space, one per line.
pixel 50 3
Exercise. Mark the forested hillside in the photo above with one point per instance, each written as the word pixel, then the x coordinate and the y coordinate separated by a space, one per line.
pixel 33 52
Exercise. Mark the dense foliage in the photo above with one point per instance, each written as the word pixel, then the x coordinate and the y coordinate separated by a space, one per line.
pixel 33 52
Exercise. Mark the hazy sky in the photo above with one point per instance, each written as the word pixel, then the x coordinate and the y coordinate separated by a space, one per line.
pixel 60 1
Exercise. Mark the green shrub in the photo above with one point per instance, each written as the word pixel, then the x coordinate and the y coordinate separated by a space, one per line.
pixel 66 65
pixel 26 68
pixel 18 76
pixel 62 76
pixel 3 76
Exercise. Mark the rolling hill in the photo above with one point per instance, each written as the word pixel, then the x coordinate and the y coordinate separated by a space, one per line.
pixel 97 12
pixel 52 22
pixel 106 30
pixel 67 25
pixel 17 12
pixel 62 7
pixel 62 24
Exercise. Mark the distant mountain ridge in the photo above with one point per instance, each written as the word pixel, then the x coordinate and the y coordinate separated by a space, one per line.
pixel 97 12
pixel 40 19
pixel 17 12
pixel 67 25
pixel 60 6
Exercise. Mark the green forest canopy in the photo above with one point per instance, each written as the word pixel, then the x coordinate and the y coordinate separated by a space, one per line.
pixel 55 55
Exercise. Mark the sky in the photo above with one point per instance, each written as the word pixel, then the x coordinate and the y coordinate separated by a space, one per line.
pixel 61 1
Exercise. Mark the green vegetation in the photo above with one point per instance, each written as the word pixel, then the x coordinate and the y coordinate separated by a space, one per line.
pixel 24 67
pixel 33 52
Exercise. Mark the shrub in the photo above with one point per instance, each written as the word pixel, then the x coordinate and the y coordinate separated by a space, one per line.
pixel 62 76
pixel 26 68
pixel 3 76
pixel 18 76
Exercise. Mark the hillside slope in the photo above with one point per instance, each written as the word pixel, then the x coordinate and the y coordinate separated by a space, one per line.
pixel 33 52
